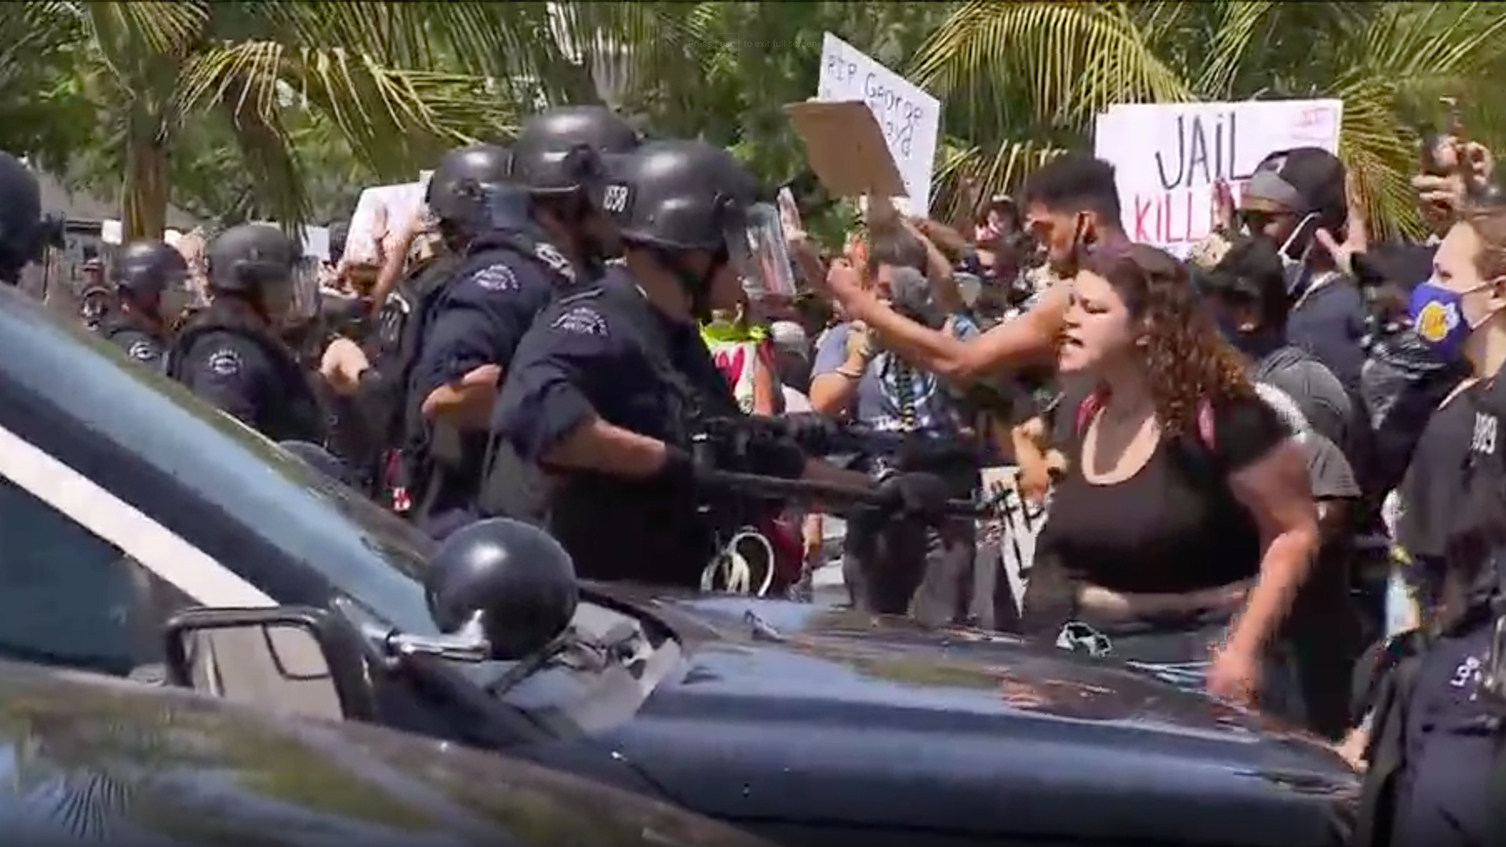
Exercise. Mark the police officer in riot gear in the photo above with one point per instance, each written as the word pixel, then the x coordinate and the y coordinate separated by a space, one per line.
pixel 230 353
pixel 142 272
pixel 542 232
pixel 22 231
pixel 555 158
pixel 610 385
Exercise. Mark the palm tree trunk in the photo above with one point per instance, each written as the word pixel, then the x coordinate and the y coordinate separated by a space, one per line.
pixel 145 191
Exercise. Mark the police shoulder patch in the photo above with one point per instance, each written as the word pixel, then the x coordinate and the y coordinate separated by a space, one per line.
pixel 498 277
pixel 142 351
pixel 581 320
pixel 224 362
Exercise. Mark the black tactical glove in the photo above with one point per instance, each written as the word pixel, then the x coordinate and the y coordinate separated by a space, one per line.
pixel 779 457
pixel 919 496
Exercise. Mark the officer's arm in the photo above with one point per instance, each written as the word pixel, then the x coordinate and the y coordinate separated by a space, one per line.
pixel 475 333
pixel 548 410
pixel 1026 340
pixel 231 376
pixel 467 402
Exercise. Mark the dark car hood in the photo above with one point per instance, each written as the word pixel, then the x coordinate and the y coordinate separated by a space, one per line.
pixel 107 760
pixel 1028 720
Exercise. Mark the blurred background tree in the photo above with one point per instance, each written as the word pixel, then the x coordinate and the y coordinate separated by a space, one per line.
pixel 285 111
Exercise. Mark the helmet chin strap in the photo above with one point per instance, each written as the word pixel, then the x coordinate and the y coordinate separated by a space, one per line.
pixel 696 285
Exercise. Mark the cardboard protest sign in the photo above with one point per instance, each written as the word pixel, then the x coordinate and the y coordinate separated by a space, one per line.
pixel 1168 157
pixel 907 117
pixel 845 149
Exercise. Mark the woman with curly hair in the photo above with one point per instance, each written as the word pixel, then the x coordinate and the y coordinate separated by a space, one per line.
pixel 1184 525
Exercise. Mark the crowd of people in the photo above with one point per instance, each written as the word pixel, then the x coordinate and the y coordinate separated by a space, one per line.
pixel 1258 462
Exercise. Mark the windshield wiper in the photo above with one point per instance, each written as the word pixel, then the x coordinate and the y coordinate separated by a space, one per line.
pixel 622 645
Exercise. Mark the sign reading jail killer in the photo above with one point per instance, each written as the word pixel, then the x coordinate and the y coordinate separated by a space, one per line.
pixel 1167 157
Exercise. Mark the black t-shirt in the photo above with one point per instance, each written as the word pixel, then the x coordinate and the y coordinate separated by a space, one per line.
pixel 1459 449
pixel 1174 525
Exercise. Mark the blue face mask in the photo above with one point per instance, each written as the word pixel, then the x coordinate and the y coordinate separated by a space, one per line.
pixel 1438 319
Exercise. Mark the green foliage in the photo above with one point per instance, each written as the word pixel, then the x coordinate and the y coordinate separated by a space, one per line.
pixel 237 110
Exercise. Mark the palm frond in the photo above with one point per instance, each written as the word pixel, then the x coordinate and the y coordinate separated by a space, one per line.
pixel 1048 64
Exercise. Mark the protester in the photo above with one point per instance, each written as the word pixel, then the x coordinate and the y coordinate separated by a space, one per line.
pixel 1292 197
pixel 1184 522
pixel 1248 291
pixel 792 362
pixel 742 353
pixel 922 571
pixel 1070 203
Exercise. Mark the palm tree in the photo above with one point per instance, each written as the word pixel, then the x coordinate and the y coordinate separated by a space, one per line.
pixel 1022 80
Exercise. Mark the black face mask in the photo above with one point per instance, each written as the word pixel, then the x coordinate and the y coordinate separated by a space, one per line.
pixel 1256 344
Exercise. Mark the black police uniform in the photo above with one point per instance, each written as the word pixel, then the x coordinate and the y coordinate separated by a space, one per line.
pixel 230 357
pixel 142 271
pixel 1436 758
pixel 480 315
pixel 1461 441
pixel 607 352
pixel 510 273
pixel 23 233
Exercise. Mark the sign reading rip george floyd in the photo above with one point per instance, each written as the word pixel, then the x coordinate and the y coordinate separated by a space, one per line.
pixel 908 116
pixel 1167 157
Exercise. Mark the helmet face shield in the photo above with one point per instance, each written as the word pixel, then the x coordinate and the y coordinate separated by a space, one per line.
pixel 757 249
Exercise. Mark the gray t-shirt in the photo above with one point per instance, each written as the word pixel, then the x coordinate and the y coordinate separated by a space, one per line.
pixel 892 395
pixel 1321 415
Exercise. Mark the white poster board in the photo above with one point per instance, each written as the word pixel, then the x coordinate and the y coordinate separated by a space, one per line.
pixel 391 205
pixel 1168 156
pixel 908 116
pixel 1017 524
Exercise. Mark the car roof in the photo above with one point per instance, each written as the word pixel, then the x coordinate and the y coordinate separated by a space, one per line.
pixel 92 757
pixel 245 506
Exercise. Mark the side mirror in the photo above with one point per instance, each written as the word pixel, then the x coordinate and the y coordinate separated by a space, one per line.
pixel 291 658
pixel 509 581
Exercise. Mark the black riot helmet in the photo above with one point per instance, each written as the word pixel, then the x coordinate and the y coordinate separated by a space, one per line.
pixel 21 226
pixel 674 198
pixel 144 269
pixel 510 580
pixel 680 196
pixel 470 191
pixel 561 151
pixel 249 258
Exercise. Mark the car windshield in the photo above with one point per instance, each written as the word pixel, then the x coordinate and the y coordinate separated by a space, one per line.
pixel 248 484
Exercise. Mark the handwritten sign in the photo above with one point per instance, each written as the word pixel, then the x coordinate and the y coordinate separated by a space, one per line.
pixel 908 116
pixel 1168 157
pixel 381 207
pixel 1014 528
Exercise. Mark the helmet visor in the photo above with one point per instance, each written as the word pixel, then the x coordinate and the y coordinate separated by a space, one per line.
pixel 760 255
pixel 292 296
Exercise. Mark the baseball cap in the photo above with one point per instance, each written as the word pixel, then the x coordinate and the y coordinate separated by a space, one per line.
pixel 1302 180
pixel 788 336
